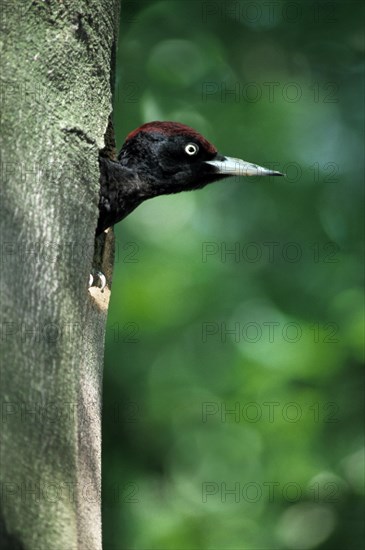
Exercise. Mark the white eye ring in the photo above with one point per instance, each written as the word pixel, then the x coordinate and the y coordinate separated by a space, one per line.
pixel 191 149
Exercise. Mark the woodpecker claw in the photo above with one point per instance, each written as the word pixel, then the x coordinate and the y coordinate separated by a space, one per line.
pixel 97 279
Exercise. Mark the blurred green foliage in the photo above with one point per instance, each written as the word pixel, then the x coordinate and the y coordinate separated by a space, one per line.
pixel 233 389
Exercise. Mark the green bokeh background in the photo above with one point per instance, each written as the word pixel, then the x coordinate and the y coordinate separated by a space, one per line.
pixel 245 296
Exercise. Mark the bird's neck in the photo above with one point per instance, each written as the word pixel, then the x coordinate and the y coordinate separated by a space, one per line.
pixel 122 189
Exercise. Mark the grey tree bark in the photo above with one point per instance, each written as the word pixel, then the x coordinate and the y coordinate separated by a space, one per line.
pixel 56 61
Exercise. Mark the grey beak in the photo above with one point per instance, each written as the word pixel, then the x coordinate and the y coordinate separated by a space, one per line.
pixel 237 167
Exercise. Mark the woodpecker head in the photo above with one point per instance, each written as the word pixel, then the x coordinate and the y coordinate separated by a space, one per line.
pixel 161 158
pixel 169 157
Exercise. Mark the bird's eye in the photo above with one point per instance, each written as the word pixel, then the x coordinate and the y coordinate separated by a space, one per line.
pixel 191 149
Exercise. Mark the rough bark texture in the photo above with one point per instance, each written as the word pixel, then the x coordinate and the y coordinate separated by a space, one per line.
pixel 55 92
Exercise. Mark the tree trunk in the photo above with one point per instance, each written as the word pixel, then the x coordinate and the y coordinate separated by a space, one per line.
pixel 56 99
